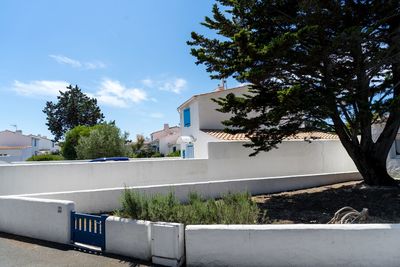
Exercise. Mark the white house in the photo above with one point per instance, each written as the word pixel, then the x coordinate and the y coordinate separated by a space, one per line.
pixel 15 146
pixel 198 117
pixel 164 141
pixel 201 124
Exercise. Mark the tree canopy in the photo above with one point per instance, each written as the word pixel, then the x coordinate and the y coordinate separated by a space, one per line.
pixel 73 108
pixel 104 140
pixel 331 66
pixel 68 149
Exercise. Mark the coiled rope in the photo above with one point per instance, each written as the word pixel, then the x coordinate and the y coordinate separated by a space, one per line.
pixel 349 215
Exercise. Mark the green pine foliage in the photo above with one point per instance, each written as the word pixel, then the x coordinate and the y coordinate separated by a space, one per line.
pixel 73 108
pixel 330 66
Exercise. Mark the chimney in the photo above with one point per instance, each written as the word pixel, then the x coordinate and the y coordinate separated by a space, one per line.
pixel 18 131
pixel 221 86
pixel 166 126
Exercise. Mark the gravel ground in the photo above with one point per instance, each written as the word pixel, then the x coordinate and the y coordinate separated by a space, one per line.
pixel 319 204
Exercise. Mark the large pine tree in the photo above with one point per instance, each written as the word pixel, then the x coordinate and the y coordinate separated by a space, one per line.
pixel 73 108
pixel 330 66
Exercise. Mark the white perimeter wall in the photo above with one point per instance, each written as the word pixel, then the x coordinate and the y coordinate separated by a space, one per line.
pixel 106 200
pixel 293 245
pixel 226 161
pixel 231 160
pixel 36 218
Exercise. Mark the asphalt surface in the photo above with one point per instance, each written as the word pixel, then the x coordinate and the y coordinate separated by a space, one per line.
pixel 21 251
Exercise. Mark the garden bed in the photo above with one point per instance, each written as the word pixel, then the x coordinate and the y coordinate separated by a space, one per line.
pixel 319 204
pixel 311 206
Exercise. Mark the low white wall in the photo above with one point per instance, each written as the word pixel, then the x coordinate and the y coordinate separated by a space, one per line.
pixel 105 200
pixel 51 177
pixel 226 161
pixel 37 218
pixel 293 245
pixel 128 237
pixel 230 160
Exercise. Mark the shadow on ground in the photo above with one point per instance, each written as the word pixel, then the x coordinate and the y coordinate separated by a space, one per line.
pixel 28 243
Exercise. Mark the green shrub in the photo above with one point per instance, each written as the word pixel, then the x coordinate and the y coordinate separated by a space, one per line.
pixel 45 157
pixel 174 154
pixel 71 141
pixel 104 140
pixel 235 208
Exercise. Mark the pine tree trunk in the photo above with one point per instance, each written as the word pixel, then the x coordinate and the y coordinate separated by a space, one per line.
pixel 373 169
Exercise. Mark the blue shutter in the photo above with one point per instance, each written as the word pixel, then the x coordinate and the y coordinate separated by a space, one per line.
pixel 186 117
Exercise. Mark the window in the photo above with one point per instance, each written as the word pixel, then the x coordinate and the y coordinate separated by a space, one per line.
pixel 34 142
pixel 186 117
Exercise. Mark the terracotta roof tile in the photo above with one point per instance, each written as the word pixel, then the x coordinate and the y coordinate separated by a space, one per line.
pixel 220 134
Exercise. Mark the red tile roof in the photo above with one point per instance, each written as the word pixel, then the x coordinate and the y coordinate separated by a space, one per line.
pixel 220 134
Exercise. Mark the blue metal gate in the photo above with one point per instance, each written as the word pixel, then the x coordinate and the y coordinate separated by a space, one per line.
pixel 88 229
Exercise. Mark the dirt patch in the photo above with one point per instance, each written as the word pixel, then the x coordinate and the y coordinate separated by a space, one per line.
pixel 319 204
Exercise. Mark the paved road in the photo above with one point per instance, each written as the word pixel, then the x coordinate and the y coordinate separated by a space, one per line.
pixel 20 251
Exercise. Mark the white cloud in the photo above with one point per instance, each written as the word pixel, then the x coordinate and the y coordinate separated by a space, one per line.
pixel 148 82
pixel 115 94
pixel 39 88
pixel 110 92
pixel 175 86
pixel 78 64
pixel 156 115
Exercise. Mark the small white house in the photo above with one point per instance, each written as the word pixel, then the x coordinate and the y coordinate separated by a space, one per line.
pixel 15 146
pixel 199 117
pixel 164 141
pixel 201 124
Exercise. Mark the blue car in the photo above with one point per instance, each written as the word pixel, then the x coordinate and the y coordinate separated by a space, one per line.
pixel 110 159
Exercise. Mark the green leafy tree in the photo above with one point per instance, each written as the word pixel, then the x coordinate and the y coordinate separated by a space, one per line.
pixel 331 66
pixel 142 149
pixel 72 139
pixel 72 109
pixel 104 140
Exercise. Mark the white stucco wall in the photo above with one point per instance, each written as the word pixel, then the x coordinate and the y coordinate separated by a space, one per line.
pixel 44 219
pixel 128 237
pixel 16 154
pixel 9 138
pixel 226 161
pixel 293 245
pixel 209 117
pixel 106 200
pixel 167 142
pixel 393 160
pixel 56 177
pixel 231 160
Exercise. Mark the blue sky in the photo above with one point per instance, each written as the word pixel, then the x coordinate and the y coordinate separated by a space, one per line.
pixel 131 55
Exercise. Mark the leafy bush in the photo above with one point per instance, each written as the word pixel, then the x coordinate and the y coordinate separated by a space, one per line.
pixel 174 154
pixel 45 157
pixel 72 139
pixel 104 140
pixel 235 208
pixel 141 149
